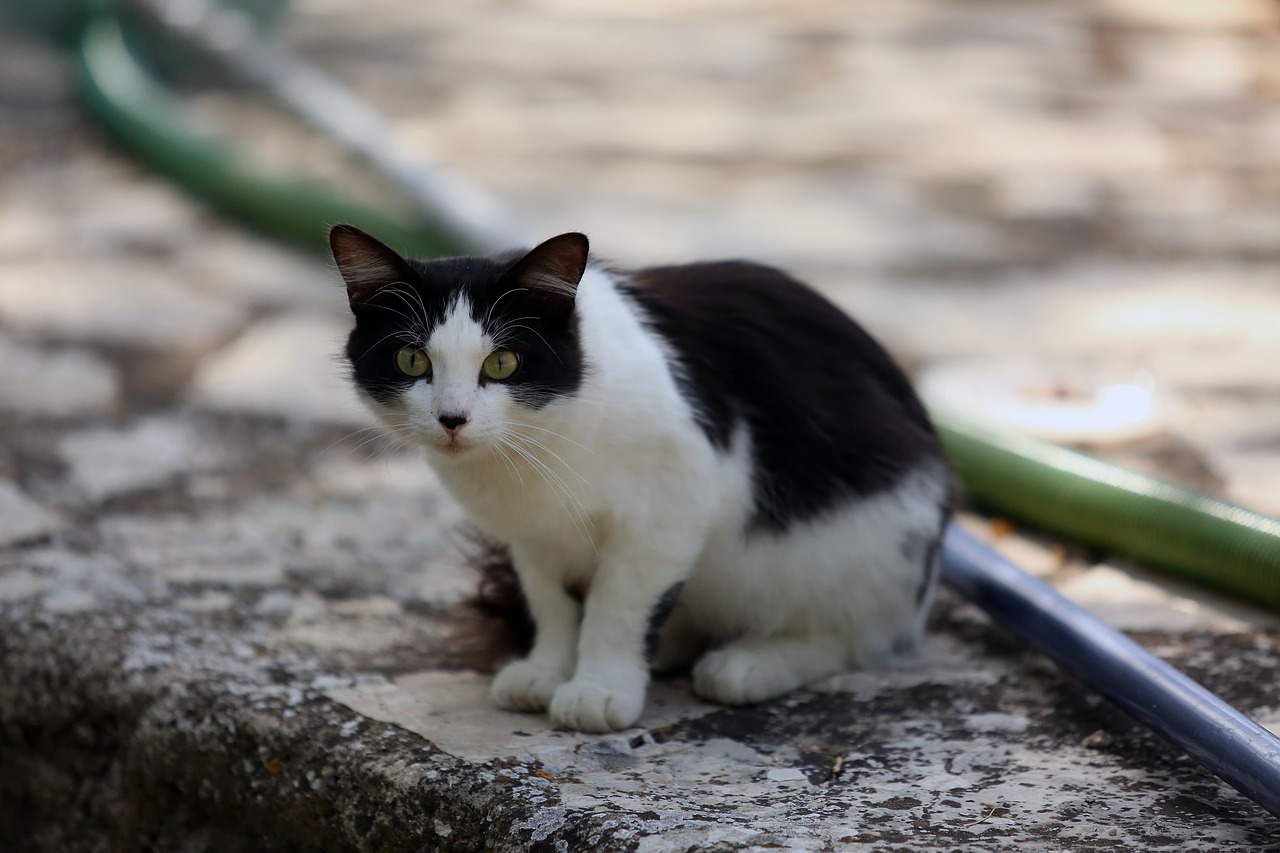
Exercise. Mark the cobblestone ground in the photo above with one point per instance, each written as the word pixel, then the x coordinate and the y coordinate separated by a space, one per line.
pixel 229 609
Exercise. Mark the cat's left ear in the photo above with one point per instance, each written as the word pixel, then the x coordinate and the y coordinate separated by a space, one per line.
pixel 367 265
pixel 554 268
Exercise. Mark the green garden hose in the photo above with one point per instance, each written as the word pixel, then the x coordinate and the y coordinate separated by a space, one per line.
pixel 1192 535
pixel 156 127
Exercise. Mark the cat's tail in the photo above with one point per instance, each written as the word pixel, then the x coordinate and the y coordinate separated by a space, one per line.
pixel 494 625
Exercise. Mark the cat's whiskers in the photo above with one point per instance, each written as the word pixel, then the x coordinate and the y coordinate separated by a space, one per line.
pixel 500 331
pixel 536 333
pixel 385 434
pixel 573 508
pixel 511 440
pixel 613 405
pixel 500 447
pixel 387 453
pixel 506 439
pixel 410 336
pixel 498 442
pixel 422 308
pixel 404 291
pixel 534 443
pixel 512 428
pixel 416 317
pixel 581 396
pixel 409 319
pixel 372 433
pixel 560 436
pixel 375 431
pixel 489 314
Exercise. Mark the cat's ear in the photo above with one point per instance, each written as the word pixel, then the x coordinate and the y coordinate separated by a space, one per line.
pixel 366 264
pixel 554 268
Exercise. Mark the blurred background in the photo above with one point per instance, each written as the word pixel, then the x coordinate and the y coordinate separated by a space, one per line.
pixel 1064 215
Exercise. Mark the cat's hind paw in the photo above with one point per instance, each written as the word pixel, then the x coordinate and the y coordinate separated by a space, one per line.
pixel 586 706
pixel 739 676
pixel 524 685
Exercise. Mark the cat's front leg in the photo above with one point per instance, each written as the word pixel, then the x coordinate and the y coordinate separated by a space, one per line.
pixel 528 684
pixel 634 587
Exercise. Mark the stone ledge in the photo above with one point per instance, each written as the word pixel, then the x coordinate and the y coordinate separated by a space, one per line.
pixel 145 728
pixel 100 755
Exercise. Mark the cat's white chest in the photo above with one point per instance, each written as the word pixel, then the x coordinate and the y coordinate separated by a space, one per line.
pixel 521 500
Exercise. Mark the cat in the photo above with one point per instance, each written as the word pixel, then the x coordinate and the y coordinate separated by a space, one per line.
pixel 706 465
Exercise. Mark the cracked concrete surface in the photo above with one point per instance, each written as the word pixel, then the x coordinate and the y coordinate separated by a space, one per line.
pixel 231 617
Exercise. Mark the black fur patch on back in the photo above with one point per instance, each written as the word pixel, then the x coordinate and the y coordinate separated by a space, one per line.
pixel 406 312
pixel 831 417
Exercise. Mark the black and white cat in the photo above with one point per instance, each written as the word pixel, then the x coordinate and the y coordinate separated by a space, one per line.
pixel 706 464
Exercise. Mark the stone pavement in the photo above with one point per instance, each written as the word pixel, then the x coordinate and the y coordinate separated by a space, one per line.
pixel 231 613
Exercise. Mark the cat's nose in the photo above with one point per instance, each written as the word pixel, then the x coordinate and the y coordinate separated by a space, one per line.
pixel 452 422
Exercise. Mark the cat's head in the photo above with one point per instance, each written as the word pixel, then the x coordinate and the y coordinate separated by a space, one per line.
pixel 458 354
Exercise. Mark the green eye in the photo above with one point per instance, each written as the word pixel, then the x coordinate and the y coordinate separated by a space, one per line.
pixel 412 361
pixel 500 364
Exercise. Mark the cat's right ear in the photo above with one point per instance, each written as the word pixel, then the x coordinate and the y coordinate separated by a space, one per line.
pixel 366 264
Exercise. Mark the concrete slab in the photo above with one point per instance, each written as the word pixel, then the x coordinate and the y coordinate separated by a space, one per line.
pixel 106 461
pixel 21 518
pixel 55 382
pixel 131 303
pixel 286 368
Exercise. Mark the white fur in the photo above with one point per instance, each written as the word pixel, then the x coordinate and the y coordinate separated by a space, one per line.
pixel 616 490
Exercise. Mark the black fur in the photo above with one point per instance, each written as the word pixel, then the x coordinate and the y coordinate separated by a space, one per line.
pixel 407 309
pixel 924 548
pixel 831 417
pixel 658 617
pixel 500 627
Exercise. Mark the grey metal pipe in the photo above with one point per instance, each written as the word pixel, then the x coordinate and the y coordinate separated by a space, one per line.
pixel 1226 742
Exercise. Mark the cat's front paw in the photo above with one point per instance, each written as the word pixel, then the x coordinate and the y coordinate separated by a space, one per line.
pixel 737 676
pixel 524 685
pixel 586 706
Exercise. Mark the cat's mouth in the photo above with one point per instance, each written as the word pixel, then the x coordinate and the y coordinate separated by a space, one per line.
pixel 456 446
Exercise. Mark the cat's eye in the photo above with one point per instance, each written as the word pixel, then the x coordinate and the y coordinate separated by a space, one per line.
pixel 413 361
pixel 500 364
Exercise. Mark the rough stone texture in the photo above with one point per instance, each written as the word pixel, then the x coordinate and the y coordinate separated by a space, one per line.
pixel 22 518
pixel 54 382
pixel 284 367
pixel 230 614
